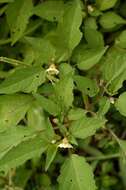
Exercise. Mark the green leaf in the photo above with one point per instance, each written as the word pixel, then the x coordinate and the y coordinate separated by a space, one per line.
pixel 28 149
pixel 76 113
pixel 86 126
pixel 13 109
pixel 121 104
pixel 13 136
pixel 93 37
pixel 47 104
pixel 50 10
pixel 76 174
pixel 25 79
pixel 111 20
pixel 50 155
pixel 86 58
pixel 68 35
pixel 104 105
pixel 42 48
pixel 114 69
pixel 86 85
pixel 105 4
pixel 35 117
pixel 121 40
pixel 18 14
pixel 64 92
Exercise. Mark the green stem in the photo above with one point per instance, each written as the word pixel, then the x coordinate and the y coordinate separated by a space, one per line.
pixel 11 61
pixel 105 157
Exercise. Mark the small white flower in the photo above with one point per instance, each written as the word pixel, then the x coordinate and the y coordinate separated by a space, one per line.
pixel 53 141
pixel 112 101
pixel 90 8
pixel 65 144
pixel 52 70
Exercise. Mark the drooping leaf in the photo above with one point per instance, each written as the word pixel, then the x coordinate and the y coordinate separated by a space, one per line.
pixel 18 14
pixel 76 174
pixel 121 104
pixel 86 126
pixel 25 79
pixel 50 10
pixel 13 109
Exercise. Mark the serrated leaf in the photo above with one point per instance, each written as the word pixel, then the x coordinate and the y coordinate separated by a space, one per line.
pixel 64 92
pixel 28 149
pixel 121 104
pixel 42 48
pixel 86 85
pixel 111 20
pixel 50 155
pixel 86 126
pixel 114 69
pixel 13 109
pixel 68 35
pixel 12 137
pixel 50 10
pixel 18 14
pixel 25 79
pixel 76 174
pixel 86 58
pixel 105 4
pixel 47 104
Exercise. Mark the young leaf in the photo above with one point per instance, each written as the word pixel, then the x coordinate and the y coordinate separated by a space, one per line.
pixel 64 91
pixel 50 10
pixel 121 104
pixel 50 155
pixel 25 79
pixel 86 85
pixel 76 174
pixel 18 14
pixel 86 126
pixel 111 20
pixel 86 58
pixel 28 149
pixel 13 109
pixel 105 4
pixel 48 104
pixel 104 105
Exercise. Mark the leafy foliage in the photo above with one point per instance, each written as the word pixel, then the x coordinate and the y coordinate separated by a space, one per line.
pixel 62 94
